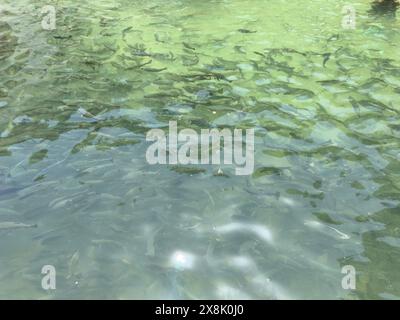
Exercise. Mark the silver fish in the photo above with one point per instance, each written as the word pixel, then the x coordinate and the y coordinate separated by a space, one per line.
pixel 7 225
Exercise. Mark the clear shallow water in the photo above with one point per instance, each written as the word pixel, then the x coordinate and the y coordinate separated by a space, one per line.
pixel 76 103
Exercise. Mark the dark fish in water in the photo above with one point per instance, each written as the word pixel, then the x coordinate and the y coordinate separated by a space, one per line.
pixel 260 54
pixel 107 34
pixel 126 30
pixel 153 69
pixel 329 82
pixel 326 58
pixel 246 31
pixel 142 65
pixel 62 37
pixel 290 50
pixel 205 76
pixel 170 94
pixel 188 46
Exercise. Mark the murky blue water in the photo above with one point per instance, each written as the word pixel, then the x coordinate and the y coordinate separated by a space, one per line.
pixel 76 191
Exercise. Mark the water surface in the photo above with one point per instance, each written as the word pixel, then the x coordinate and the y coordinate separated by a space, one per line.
pixel 76 104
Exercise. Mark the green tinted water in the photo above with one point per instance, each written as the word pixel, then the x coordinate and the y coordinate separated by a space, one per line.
pixel 77 102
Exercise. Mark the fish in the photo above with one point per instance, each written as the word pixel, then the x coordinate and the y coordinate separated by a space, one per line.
pixel 259 53
pixel 188 46
pixel 153 69
pixel 9 225
pixel 246 31
pixel 62 37
pixel 150 234
pixel 135 66
pixel 126 30
pixel 73 264
pixel 320 226
pixel 326 58
pixel 86 113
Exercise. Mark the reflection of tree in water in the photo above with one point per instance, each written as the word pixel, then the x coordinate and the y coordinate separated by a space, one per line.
pixel 385 7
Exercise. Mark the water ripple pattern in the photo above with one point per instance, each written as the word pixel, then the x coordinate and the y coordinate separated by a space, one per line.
pixel 76 191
